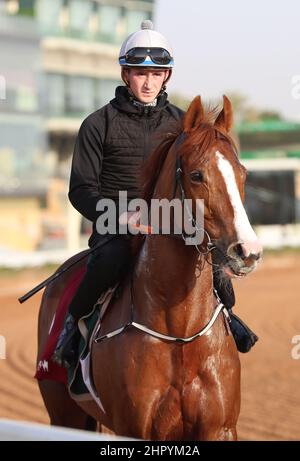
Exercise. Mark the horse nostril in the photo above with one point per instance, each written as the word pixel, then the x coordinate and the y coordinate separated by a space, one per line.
pixel 239 251
pixel 235 250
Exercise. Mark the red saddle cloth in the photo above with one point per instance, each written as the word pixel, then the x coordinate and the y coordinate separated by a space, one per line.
pixel 46 369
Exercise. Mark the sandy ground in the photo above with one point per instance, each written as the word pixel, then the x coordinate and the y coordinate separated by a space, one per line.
pixel 267 300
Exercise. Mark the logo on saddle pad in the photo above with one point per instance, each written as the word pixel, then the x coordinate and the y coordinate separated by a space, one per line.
pixel 166 217
pixel 43 365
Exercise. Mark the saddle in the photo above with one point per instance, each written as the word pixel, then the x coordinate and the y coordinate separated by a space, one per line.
pixel 80 382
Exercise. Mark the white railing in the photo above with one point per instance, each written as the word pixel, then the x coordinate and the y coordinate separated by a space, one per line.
pixel 24 431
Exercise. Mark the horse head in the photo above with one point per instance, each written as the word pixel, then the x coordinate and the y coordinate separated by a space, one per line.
pixel 212 172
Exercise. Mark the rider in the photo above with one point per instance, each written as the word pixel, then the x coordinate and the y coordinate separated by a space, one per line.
pixel 111 146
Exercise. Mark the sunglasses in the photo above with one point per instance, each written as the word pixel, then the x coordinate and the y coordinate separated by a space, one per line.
pixel 159 56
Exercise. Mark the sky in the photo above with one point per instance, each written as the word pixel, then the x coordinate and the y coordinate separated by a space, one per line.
pixel 251 47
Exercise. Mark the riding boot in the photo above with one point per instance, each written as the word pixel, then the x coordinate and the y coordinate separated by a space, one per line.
pixel 244 337
pixel 65 351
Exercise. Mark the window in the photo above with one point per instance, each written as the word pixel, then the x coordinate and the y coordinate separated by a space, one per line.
pixel 54 94
pixel 109 21
pixel 105 91
pixel 26 99
pixel 76 95
pixel 26 7
pixel 80 98
pixel 21 155
pixel 80 13
pixel 48 12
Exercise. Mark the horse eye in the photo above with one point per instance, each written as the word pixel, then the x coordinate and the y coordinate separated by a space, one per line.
pixel 196 176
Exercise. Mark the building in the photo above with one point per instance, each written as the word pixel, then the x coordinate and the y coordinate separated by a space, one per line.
pixel 24 171
pixel 77 42
pixel 80 45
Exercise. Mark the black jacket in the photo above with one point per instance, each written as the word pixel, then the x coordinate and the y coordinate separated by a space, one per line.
pixel 111 146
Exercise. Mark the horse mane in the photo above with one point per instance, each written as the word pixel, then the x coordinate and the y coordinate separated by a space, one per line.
pixel 205 135
pixel 202 136
pixel 153 165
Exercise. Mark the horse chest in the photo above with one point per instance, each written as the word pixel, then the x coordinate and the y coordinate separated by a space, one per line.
pixel 170 372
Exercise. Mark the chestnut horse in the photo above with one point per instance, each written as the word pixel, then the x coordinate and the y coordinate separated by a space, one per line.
pixel 163 387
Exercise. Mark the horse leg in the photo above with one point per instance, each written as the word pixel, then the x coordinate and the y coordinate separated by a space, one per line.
pixel 62 409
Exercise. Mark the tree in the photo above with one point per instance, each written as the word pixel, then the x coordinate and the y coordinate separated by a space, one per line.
pixel 180 101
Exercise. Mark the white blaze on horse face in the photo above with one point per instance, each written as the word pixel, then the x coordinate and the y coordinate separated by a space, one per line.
pixel 245 233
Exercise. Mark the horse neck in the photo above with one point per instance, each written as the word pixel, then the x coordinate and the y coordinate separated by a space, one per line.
pixel 173 287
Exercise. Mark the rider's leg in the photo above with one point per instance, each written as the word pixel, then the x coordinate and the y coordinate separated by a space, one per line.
pixel 106 266
pixel 243 336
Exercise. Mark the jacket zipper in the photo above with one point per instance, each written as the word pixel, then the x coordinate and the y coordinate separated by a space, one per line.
pixel 147 137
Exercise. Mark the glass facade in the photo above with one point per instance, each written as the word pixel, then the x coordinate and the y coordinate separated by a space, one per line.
pixel 75 95
pixel 49 83
pixel 80 12
pixel 22 145
pixel 22 135
pixel 21 98
pixel 79 95
pixel 105 91
pixel 54 95
pixel 108 22
pixel 48 14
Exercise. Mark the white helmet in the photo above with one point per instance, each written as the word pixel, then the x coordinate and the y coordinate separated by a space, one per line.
pixel 146 48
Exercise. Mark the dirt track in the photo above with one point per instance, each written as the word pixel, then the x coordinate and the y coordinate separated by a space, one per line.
pixel 267 300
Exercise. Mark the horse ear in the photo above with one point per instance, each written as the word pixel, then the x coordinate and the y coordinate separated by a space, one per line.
pixel 225 117
pixel 194 115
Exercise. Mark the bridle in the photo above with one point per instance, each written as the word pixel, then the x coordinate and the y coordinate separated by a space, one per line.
pixel 178 184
